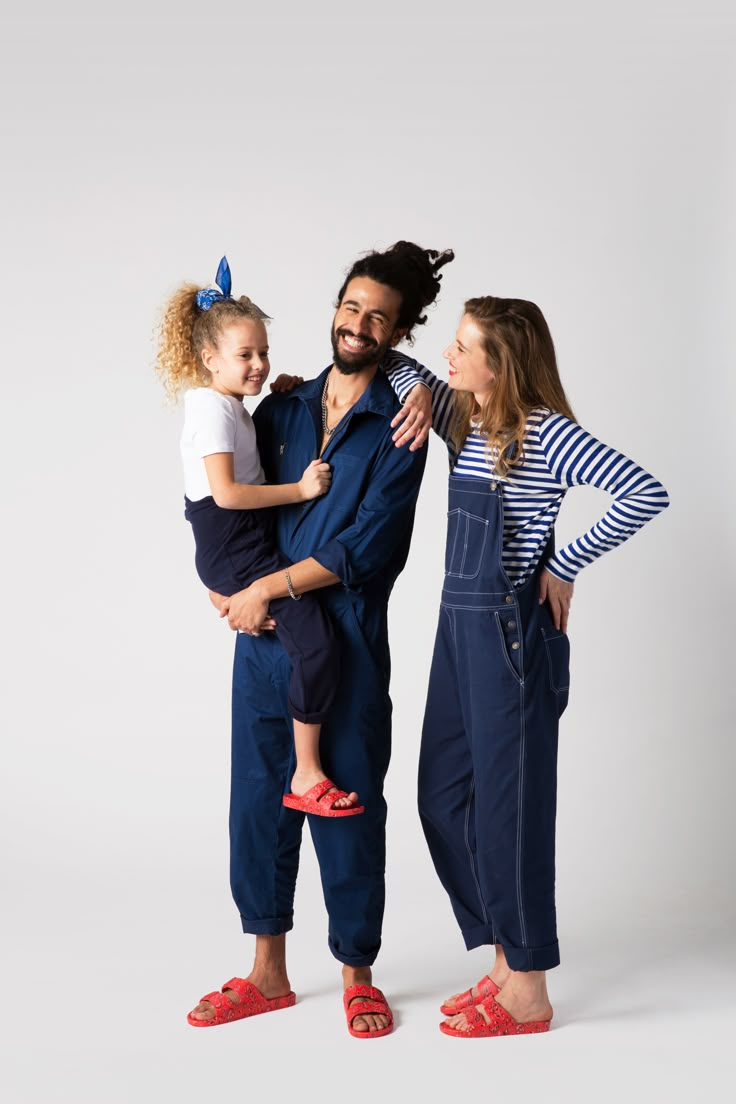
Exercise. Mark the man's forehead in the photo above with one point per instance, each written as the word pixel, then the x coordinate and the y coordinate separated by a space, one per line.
pixel 371 295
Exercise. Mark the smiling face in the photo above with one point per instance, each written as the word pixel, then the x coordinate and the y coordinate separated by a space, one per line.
pixel 469 370
pixel 364 328
pixel 239 365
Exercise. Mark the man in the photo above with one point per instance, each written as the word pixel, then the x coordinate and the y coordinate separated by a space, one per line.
pixel 353 542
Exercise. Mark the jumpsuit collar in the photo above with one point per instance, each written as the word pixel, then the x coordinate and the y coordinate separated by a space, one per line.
pixel 378 397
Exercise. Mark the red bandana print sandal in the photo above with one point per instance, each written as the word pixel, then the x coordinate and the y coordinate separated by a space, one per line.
pixel 501 1023
pixel 319 802
pixel 486 988
pixel 373 1001
pixel 251 1002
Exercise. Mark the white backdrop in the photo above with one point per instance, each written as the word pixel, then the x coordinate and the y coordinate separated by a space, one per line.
pixel 582 157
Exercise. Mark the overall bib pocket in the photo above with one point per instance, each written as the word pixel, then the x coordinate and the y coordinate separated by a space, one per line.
pixel 466 542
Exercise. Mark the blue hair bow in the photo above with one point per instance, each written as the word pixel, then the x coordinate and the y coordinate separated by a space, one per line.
pixel 224 282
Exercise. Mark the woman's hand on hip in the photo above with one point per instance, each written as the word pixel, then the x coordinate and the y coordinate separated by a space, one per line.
pixel 559 595
pixel 416 415
pixel 248 611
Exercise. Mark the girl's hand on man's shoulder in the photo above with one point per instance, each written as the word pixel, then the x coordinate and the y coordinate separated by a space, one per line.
pixel 284 383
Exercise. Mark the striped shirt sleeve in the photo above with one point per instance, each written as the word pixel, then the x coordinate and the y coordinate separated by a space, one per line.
pixel 575 458
pixel 403 371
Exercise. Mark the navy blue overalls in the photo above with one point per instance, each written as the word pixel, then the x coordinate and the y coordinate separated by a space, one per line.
pixel 360 530
pixel 488 762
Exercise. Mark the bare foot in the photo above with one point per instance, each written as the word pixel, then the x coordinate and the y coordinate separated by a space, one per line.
pixel 372 1021
pixel 271 984
pixel 522 1006
pixel 303 780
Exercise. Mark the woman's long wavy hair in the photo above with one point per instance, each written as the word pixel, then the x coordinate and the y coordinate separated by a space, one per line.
pixel 521 355
pixel 185 330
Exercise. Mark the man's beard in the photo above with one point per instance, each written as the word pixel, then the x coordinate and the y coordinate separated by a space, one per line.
pixel 374 354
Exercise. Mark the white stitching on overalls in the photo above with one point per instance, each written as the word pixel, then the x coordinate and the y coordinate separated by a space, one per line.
pixel 469 850
pixel 520 819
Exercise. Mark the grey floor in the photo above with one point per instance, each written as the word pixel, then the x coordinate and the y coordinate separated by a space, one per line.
pixel 99 978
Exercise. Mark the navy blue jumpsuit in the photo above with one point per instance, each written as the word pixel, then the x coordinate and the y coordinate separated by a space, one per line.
pixel 488 762
pixel 360 531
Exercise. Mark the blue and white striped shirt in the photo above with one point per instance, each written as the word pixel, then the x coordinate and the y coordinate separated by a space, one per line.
pixel 558 454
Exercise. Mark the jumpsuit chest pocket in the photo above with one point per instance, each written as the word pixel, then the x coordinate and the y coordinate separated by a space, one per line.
pixel 466 544
pixel 291 463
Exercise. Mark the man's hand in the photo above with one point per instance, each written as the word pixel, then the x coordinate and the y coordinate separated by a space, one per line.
pixel 248 611
pixel 559 595
pixel 285 383
pixel 217 600
pixel 416 414
pixel 222 605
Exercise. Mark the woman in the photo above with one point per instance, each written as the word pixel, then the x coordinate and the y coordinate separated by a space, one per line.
pixel 499 679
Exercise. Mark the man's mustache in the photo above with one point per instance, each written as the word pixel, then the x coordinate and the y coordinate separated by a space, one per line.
pixel 342 332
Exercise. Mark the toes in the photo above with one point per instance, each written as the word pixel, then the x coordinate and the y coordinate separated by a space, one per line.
pixel 205 1010
pixel 460 1023
pixel 369 1023
pixel 347 802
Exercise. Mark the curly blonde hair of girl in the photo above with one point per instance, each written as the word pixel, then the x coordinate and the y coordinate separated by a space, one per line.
pixel 521 355
pixel 185 331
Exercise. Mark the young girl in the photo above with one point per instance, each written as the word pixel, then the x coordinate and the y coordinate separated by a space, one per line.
pixel 500 672
pixel 215 348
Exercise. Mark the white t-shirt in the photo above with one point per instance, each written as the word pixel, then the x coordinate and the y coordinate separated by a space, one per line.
pixel 217 423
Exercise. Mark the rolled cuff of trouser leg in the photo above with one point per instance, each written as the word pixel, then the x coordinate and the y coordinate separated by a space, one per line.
pixel 275 925
pixel 481 936
pixel 532 958
pixel 355 959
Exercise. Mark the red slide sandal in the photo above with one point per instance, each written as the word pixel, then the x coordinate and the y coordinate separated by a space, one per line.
pixel 373 1002
pixel 319 802
pixel 251 1003
pixel 486 988
pixel 501 1023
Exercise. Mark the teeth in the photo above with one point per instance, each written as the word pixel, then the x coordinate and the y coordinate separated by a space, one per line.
pixel 353 343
